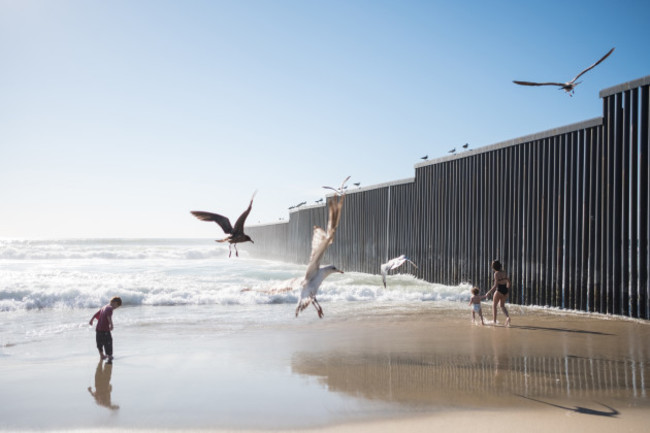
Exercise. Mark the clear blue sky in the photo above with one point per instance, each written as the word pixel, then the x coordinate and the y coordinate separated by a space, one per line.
pixel 119 117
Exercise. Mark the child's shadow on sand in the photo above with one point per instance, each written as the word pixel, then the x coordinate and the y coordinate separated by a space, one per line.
pixel 579 409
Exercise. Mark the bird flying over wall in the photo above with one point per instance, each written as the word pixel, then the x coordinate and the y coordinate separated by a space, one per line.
pixel 569 86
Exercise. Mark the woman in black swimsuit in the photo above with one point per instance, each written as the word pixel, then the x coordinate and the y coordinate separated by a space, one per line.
pixel 501 287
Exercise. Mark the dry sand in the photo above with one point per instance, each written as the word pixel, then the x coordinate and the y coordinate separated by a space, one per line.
pixel 414 370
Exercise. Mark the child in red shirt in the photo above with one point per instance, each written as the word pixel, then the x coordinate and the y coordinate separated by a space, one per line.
pixel 104 327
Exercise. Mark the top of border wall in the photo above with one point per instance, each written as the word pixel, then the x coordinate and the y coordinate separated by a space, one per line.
pixel 625 86
pixel 378 186
pixel 596 121
pixel 355 190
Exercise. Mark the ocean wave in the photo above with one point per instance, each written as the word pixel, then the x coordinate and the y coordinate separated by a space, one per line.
pixel 77 274
pixel 62 290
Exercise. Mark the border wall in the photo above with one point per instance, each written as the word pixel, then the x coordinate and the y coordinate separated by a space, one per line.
pixel 565 211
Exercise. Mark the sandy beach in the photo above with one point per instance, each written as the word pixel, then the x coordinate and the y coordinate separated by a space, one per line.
pixel 413 369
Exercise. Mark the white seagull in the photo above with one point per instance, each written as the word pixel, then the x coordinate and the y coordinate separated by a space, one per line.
pixel 320 241
pixel 340 190
pixel 393 264
pixel 569 85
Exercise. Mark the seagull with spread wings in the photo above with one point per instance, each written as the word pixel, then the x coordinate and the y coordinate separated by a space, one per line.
pixel 235 234
pixel 321 239
pixel 393 264
pixel 569 86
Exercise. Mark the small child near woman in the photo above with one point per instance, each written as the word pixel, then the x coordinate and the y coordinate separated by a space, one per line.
pixel 475 302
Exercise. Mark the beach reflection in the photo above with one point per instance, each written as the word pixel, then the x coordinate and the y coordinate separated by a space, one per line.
pixel 490 379
pixel 103 387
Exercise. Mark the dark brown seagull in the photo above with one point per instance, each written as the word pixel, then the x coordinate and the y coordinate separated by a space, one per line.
pixel 235 234
pixel 569 86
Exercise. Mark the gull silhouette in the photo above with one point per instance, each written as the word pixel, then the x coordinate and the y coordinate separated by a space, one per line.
pixel 235 234
pixel 569 86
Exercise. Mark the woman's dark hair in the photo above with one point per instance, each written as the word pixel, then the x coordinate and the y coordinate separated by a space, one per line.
pixel 496 265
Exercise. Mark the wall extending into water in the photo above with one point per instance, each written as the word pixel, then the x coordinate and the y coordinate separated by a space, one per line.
pixel 566 212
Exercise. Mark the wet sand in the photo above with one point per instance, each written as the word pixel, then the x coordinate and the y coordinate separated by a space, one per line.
pixel 412 369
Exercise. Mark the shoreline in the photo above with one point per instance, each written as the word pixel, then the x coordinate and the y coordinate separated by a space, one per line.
pixel 373 370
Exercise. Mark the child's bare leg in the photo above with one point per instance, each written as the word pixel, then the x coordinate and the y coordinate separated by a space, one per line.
pixel 480 314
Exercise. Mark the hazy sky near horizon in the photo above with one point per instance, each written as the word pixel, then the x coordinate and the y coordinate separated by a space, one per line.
pixel 119 117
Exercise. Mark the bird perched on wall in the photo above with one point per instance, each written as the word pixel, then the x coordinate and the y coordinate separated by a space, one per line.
pixel 393 264
pixel 569 86
pixel 235 234
pixel 465 146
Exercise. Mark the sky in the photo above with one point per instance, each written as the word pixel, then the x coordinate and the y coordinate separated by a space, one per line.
pixel 119 117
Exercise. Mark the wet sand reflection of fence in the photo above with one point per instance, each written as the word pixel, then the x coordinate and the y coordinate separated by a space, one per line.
pixel 466 380
pixel 565 210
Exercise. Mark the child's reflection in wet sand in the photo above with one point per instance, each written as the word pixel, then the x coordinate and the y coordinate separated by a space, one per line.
pixel 103 386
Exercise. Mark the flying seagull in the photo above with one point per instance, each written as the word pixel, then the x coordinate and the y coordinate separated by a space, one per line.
pixel 425 157
pixel 465 146
pixel 340 190
pixel 393 264
pixel 452 150
pixel 570 85
pixel 320 241
pixel 235 234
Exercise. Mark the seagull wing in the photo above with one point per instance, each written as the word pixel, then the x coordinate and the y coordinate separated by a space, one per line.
pixel 281 287
pixel 339 191
pixel 223 221
pixel 594 65
pixel 321 239
pixel 531 83
pixel 416 266
pixel 239 224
